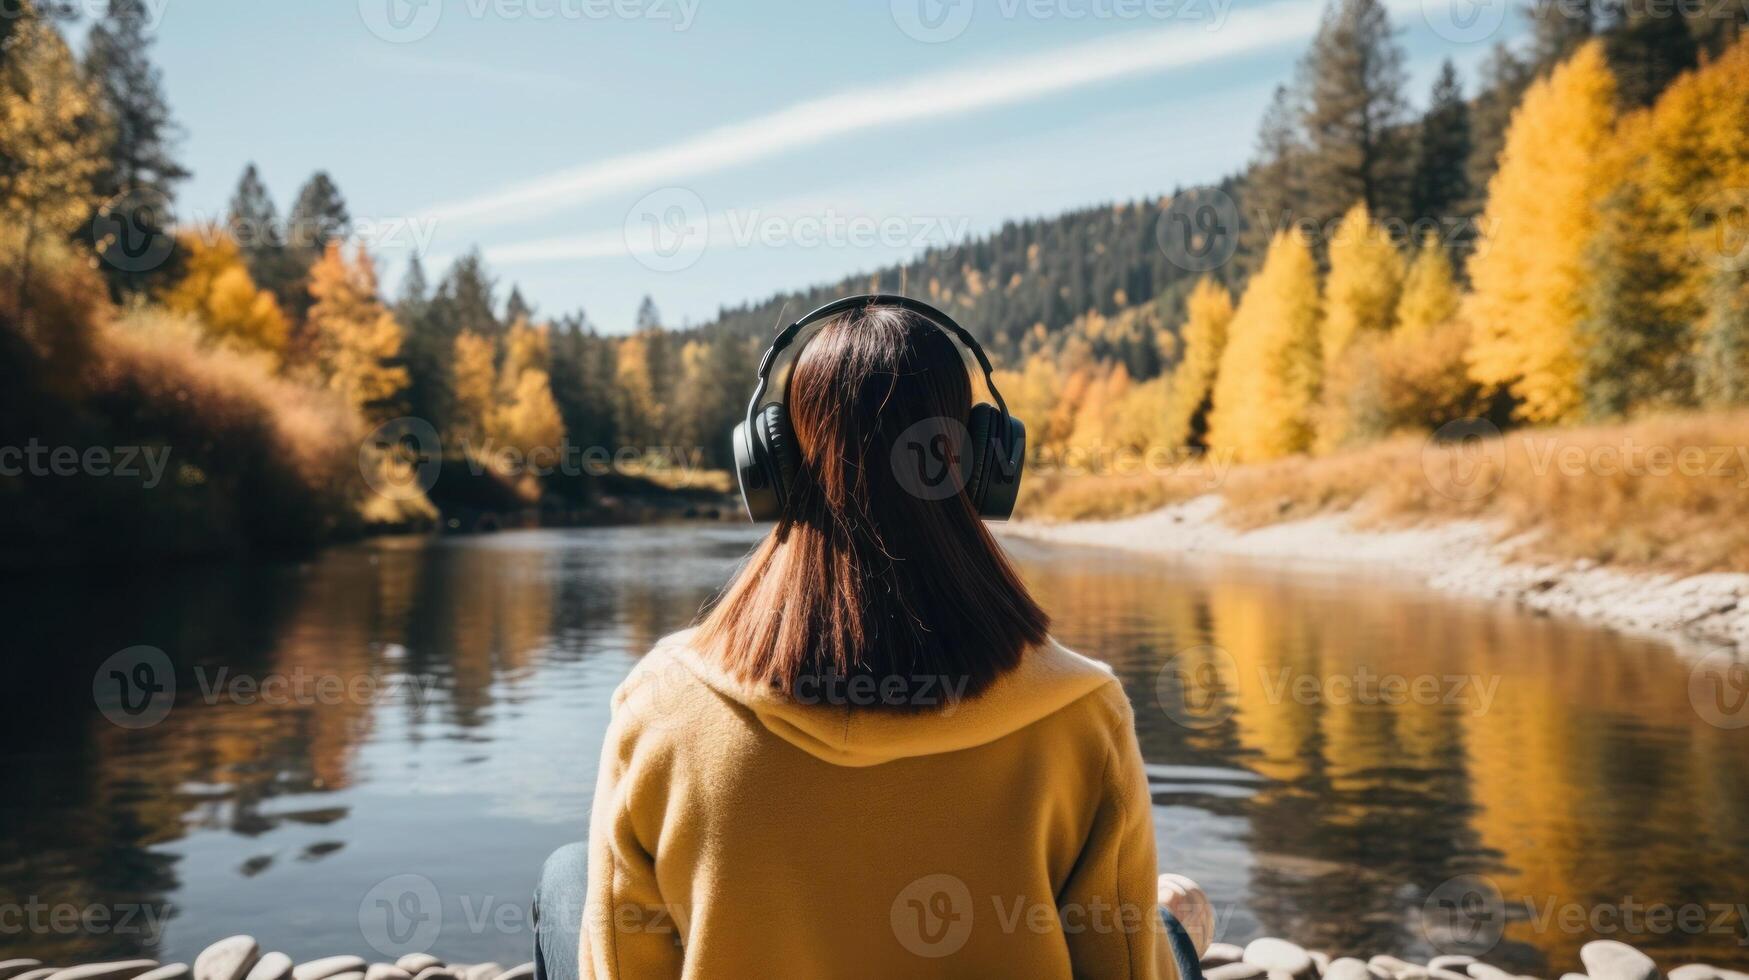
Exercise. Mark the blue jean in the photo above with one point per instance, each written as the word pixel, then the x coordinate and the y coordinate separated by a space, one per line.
pixel 564 884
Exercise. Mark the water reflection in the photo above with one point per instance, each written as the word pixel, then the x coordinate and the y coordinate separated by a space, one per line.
pixel 1564 763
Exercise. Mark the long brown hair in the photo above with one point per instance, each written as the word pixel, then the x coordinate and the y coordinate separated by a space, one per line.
pixel 862 576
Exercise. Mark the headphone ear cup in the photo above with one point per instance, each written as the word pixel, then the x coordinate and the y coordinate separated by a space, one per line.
pixel 782 457
pixel 751 472
pixel 979 425
pixel 998 455
pixel 1002 476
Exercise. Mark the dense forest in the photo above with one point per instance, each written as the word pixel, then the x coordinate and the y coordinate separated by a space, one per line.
pixel 1561 239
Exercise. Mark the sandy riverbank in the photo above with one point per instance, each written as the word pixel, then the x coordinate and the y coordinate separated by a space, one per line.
pixel 1462 557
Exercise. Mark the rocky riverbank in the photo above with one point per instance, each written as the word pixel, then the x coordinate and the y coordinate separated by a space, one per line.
pixel 1278 959
pixel 241 958
pixel 1462 557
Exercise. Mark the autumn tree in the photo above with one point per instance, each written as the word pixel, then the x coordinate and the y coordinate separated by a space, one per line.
pixel 52 134
pixel 1671 221
pixel 216 289
pixel 1207 313
pixel 1529 268
pixel 525 415
pixel 1722 375
pixel 1430 294
pixel 1366 277
pixel 356 339
pixel 475 384
pixel 1269 372
pixel 638 413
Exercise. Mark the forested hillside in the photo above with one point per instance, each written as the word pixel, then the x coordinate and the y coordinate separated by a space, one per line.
pixel 1564 238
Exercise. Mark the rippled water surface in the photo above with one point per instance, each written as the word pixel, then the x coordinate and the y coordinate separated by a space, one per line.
pixel 1325 752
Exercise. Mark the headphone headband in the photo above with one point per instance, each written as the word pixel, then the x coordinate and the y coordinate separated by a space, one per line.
pixel 941 320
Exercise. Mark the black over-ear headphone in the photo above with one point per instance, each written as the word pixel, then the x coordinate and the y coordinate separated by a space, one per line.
pixel 767 459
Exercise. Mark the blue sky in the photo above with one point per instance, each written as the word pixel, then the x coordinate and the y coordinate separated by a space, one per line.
pixel 707 152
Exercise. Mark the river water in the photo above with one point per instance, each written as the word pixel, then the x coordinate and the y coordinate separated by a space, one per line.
pixel 1348 762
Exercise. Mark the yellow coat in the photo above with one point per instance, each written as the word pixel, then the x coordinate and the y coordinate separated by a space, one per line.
pixel 736 833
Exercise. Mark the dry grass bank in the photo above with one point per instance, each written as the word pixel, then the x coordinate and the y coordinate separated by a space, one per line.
pixel 1668 493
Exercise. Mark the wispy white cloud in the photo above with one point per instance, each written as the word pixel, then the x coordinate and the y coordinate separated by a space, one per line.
pixel 946 93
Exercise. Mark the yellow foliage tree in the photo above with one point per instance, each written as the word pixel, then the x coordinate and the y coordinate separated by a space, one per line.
pixel 529 419
pixel 526 415
pixel 1529 270
pixel 51 139
pixel 354 335
pixel 1095 435
pixel 475 380
pixel 1430 294
pixel 526 348
pixel 1366 278
pixel 1270 369
pixel 638 413
pixel 216 289
pixel 1207 313
pixel 1670 230
pixel 1032 394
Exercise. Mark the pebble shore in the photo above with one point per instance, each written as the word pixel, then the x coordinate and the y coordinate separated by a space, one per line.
pixel 241 958
pixel 1466 558
pixel 1278 959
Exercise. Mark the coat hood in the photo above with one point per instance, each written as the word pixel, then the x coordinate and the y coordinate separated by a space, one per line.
pixel 1048 678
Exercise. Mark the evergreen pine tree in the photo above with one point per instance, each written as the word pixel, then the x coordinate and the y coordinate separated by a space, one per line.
pixel 140 170
pixel 1441 183
pixel 1647 49
pixel 648 318
pixel 1558 28
pixel 1354 114
pixel 318 216
pixel 1504 77
pixel 1274 194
